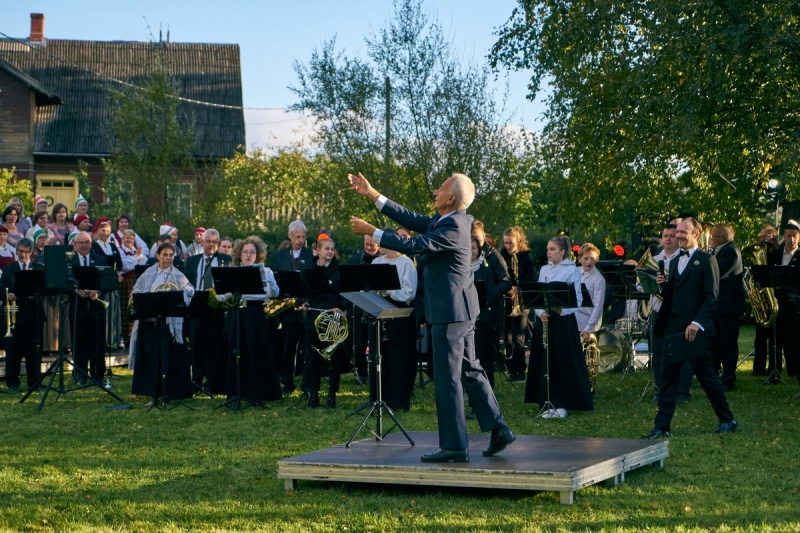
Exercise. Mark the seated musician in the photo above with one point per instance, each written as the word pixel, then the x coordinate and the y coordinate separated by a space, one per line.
pixel 258 379
pixel 332 301
pixel 152 343
pixel 569 386
pixel 399 350
pixel 29 322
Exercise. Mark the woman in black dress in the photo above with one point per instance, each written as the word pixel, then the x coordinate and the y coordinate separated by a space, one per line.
pixel 247 323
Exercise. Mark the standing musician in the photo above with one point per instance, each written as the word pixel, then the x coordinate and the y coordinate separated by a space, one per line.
pixel 87 315
pixel 205 331
pixel 763 344
pixel 29 322
pixel 515 252
pixel 590 318
pixel 569 377
pixel 105 246
pixel 690 299
pixel 494 276
pixel 730 303
pixel 259 380
pixel 296 257
pixel 360 333
pixel 789 309
pixel 332 300
pixel 151 340
pixel 451 307
pixel 400 361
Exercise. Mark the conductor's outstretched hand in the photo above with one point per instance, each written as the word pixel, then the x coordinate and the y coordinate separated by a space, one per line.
pixel 358 184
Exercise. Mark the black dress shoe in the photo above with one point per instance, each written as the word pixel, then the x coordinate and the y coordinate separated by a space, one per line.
pixel 331 403
pixel 287 389
pixel 447 456
pixel 656 434
pixel 13 388
pixel 313 400
pixel 501 438
pixel 725 427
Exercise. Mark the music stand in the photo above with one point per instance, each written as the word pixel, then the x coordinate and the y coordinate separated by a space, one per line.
pixel 160 305
pixel 780 278
pixel 108 281
pixel 57 366
pixel 238 281
pixel 546 296
pixel 622 280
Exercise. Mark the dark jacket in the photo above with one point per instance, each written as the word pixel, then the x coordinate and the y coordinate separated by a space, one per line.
pixel 787 302
pixel 691 296
pixel 362 258
pixel 332 298
pixel 83 308
pixel 27 307
pixel 731 298
pixel 114 260
pixel 281 260
pixel 493 274
pixel 193 263
pixel 445 252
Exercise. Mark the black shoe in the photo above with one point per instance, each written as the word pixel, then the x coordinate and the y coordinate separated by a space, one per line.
pixel 501 438
pixel 655 398
pixel 13 388
pixel 313 400
pixel 726 427
pixel 656 434
pixel 37 388
pixel 446 456
pixel 331 400
pixel 287 389
pixel 81 380
pixel 682 398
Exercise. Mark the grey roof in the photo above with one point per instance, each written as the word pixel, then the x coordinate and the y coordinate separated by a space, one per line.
pixel 44 95
pixel 79 72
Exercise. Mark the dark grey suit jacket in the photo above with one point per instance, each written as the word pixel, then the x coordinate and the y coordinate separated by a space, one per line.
pixel 691 296
pixel 223 260
pixel 445 250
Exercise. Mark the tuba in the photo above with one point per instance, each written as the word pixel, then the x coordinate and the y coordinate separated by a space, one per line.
pixel 516 310
pixel 591 350
pixel 762 300
pixel 330 327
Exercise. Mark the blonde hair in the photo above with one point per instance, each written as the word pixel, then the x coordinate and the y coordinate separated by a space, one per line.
pixel 588 247
pixel 519 235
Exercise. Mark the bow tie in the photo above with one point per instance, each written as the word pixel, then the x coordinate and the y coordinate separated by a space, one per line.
pixel 684 252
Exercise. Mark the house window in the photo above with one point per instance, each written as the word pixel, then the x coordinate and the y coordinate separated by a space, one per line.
pixel 180 199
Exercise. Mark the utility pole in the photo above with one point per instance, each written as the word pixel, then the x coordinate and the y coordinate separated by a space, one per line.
pixel 386 156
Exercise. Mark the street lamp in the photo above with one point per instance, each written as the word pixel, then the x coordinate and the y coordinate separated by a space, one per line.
pixel 773 191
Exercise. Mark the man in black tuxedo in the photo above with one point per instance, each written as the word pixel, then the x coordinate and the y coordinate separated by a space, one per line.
pixel 451 307
pixel 29 322
pixel 293 258
pixel 360 329
pixel 88 315
pixel 730 303
pixel 205 332
pixel 789 310
pixel 690 300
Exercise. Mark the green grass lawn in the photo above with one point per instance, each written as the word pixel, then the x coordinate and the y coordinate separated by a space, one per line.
pixel 77 466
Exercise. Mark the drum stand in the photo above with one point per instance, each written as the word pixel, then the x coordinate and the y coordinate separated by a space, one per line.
pixel 652 377
pixel 633 365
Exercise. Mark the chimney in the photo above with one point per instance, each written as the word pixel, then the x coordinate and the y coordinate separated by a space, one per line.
pixel 37 27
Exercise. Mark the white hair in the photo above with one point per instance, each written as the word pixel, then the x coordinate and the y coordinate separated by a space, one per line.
pixel 463 189
pixel 211 232
pixel 297 225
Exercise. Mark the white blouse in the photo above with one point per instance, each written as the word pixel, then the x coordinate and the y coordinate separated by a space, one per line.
pixel 563 271
pixel 407 274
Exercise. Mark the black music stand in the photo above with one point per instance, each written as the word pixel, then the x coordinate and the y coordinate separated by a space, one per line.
pixel 622 280
pixel 377 310
pixel 56 288
pixel 161 305
pixel 238 281
pixel 547 296
pixel 108 281
pixel 780 278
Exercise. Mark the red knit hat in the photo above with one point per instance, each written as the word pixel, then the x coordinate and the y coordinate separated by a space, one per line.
pixel 101 222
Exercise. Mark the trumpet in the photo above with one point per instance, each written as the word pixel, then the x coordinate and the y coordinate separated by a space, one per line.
pixel 516 309
pixel 11 316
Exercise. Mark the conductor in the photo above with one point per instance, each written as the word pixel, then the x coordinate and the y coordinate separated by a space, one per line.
pixel 451 306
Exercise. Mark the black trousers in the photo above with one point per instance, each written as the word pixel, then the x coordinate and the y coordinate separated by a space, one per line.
pixel 787 323
pixel 89 346
pixel 293 337
pixel 486 332
pixel 23 346
pixel 205 334
pixel 670 376
pixel 316 365
pixel 516 330
pixel 726 347
pixel 764 345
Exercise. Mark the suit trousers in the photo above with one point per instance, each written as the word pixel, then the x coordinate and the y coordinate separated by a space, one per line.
pixel 455 371
pixel 788 342
pixel 670 375
pixel 726 347
pixel 685 380
pixel 764 345
pixel 89 346
pixel 23 346
pixel 293 337
pixel 205 334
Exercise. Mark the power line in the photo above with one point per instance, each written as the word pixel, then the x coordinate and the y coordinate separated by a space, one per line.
pixel 131 85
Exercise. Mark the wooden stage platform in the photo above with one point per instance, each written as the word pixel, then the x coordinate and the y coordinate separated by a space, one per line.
pixel 563 464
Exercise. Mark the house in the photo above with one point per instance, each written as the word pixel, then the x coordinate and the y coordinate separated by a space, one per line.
pixel 56 103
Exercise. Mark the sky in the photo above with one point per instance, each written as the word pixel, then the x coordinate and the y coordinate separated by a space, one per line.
pixel 272 35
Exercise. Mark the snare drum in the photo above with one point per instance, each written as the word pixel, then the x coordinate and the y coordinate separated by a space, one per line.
pixel 630 326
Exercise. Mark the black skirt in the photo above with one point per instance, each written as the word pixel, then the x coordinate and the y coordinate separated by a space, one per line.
pixel 259 381
pixel 569 377
pixel 147 374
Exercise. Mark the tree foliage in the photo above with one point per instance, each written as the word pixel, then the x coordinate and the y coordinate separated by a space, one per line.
pixel 13 187
pixel 443 118
pixel 661 106
pixel 152 152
